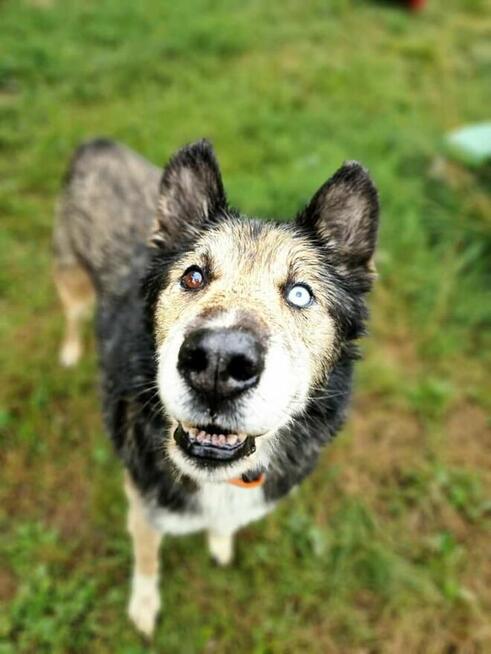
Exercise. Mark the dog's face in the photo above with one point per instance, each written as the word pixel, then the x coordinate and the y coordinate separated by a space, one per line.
pixel 250 316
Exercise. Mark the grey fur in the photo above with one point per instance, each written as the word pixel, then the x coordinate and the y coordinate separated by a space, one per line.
pixel 106 211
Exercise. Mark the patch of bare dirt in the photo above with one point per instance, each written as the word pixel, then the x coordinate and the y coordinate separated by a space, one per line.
pixel 379 445
pixel 468 439
pixel 49 489
pixel 8 584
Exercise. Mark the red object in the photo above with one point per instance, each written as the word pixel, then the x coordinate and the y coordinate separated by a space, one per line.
pixel 416 4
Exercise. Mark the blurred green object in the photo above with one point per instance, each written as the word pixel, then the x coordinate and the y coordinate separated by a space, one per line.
pixel 470 144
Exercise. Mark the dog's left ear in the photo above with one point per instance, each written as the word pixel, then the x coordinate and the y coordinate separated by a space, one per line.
pixel 344 214
pixel 191 194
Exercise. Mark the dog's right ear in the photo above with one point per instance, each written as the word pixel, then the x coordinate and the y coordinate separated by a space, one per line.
pixel 191 194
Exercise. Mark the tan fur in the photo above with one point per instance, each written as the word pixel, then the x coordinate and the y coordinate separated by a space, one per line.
pixel 77 295
pixel 146 540
pixel 144 602
pixel 248 278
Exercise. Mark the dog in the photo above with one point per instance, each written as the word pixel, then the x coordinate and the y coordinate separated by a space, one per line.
pixel 226 343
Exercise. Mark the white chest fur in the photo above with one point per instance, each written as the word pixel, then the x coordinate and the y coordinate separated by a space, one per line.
pixel 221 508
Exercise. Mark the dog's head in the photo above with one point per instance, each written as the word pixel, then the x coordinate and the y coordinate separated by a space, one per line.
pixel 249 316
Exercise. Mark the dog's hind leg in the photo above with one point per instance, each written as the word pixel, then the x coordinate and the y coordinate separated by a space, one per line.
pixel 76 294
pixel 144 602
pixel 221 547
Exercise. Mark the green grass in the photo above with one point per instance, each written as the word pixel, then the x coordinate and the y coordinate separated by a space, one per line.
pixel 384 548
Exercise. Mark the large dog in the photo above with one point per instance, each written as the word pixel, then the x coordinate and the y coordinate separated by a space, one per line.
pixel 226 343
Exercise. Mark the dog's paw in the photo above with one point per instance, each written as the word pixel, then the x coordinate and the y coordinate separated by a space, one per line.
pixel 221 548
pixel 144 605
pixel 70 353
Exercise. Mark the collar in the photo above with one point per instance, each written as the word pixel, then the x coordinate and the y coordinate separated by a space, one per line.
pixel 246 482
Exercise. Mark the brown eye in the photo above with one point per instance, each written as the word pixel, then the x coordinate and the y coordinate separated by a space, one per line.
pixel 193 279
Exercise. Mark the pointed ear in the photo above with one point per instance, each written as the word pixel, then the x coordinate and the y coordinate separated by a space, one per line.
pixel 344 214
pixel 191 193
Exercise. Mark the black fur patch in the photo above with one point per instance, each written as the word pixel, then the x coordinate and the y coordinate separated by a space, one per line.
pixel 133 413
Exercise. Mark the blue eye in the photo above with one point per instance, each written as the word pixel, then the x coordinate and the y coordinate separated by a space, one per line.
pixel 299 295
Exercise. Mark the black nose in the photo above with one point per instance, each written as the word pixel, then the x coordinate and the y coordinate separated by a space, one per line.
pixel 221 363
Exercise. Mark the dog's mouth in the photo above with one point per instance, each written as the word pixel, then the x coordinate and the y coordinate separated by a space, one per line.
pixel 213 444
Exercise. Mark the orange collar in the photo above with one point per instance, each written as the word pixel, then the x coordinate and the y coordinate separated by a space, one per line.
pixel 246 483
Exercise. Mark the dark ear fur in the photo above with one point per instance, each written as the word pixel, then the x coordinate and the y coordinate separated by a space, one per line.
pixel 191 193
pixel 344 214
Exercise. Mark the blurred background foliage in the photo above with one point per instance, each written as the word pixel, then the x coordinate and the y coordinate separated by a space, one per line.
pixel 384 548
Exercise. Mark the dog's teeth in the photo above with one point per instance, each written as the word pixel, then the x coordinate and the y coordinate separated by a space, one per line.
pixel 218 440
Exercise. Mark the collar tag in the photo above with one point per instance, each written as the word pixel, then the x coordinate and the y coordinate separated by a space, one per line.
pixel 244 482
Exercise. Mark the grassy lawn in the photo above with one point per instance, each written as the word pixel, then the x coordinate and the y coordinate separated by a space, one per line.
pixel 385 549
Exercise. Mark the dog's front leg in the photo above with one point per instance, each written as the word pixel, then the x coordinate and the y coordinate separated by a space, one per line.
pixel 144 602
pixel 221 547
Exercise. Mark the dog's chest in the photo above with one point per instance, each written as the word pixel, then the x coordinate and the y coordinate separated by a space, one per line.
pixel 222 508
pixel 227 508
